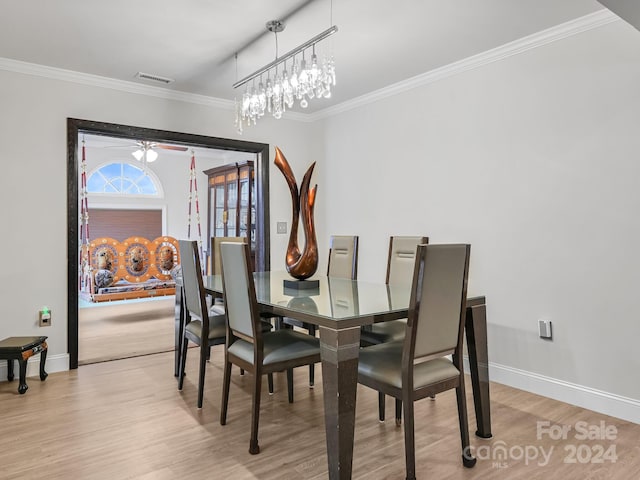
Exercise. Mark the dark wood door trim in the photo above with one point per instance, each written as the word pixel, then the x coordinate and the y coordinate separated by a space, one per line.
pixel 77 126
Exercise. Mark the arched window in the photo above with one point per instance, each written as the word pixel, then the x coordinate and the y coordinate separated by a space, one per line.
pixel 123 179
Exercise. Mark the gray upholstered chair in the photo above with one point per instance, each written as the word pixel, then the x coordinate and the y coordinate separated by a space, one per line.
pixel 343 257
pixel 342 263
pixel 400 263
pixel 218 306
pixel 417 366
pixel 247 345
pixel 199 324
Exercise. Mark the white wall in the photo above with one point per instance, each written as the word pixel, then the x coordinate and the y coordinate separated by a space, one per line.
pixel 33 187
pixel 534 161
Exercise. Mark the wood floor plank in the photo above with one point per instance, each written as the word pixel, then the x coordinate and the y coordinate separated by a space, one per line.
pixel 126 420
pixel 116 330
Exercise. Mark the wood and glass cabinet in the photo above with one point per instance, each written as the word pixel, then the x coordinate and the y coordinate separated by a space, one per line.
pixel 232 204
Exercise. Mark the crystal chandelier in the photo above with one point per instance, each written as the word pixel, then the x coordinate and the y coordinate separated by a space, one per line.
pixel 297 75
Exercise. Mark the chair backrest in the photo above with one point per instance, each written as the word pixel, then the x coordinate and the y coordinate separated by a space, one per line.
pixel 192 279
pixel 438 300
pixel 215 251
pixel 402 259
pixel 343 257
pixel 239 290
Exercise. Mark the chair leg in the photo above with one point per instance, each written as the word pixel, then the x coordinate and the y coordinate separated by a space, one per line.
pixel 312 367
pixel 381 406
pixel 290 384
pixel 254 448
pixel 183 361
pixel 203 369
pixel 398 412
pixel 270 382
pixel 468 460
pixel 409 438
pixel 225 392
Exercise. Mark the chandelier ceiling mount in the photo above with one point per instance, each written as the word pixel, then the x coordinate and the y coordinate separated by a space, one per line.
pixel 275 26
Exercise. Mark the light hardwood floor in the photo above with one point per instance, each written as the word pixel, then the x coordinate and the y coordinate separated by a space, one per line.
pixel 123 329
pixel 126 420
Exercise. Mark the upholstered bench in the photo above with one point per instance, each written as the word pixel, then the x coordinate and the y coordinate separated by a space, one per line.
pixel 21 349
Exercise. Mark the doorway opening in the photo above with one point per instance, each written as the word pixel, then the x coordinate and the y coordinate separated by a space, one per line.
pixel 76 128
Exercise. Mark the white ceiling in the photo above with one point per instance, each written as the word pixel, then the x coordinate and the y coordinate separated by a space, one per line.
pixel 378 43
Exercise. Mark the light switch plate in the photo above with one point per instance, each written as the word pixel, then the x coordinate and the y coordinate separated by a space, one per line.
pixel 544 329
pixel 281 227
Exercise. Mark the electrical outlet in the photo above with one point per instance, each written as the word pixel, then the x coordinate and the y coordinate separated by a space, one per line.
pixel 45 317
pixel 281 227
pixel 544 329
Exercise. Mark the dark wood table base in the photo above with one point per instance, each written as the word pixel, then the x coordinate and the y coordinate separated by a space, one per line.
pixel 339 350
pixel 476 333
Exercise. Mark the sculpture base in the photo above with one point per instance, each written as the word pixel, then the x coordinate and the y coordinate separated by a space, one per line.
pixel 304 285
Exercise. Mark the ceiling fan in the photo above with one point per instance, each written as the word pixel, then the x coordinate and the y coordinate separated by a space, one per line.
pixel 146 150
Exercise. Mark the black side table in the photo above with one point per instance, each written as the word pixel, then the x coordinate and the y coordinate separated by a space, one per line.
pixel 21 349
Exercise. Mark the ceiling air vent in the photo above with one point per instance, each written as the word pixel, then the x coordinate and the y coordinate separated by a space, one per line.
pixel 154 78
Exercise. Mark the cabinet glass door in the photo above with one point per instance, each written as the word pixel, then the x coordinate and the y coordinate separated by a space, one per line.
pixel 232 208
pixel 218 211
pixel 244 204
pixel 232 203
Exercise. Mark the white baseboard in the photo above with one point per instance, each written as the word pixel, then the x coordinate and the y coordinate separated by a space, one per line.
pixel 55 363
pixel 597 400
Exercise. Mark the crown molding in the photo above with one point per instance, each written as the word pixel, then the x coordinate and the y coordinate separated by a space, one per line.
pixel 544 37
pixel 111 83
pixel 125 86
pixel 539 39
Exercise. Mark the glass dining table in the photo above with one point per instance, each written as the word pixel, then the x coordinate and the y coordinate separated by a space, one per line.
pixel 339 307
